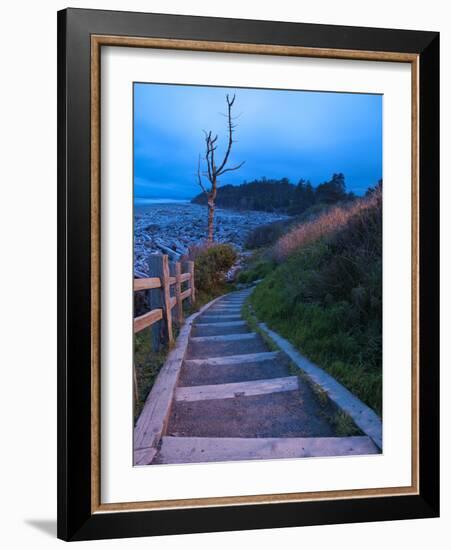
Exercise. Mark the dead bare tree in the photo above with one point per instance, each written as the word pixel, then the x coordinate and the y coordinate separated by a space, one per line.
pixel 213 172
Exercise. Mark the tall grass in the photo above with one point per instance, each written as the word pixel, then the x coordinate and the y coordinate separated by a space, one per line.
pixel 324 225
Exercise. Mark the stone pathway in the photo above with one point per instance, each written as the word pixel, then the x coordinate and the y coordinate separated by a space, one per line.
pixel 237 400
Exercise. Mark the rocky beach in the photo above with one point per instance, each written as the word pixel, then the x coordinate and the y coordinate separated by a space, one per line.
pixel 173 227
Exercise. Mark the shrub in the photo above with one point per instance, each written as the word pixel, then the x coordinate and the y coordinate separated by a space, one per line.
pixel 211 265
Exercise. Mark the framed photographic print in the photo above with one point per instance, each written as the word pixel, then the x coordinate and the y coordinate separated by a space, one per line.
pixel 248 274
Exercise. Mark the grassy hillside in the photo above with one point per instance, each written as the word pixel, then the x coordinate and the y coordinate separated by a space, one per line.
pixel 322 290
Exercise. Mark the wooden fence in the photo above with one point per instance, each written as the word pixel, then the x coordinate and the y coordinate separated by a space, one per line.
pixel 165 295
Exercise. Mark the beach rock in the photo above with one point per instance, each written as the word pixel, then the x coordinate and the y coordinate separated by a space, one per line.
pixel 173 228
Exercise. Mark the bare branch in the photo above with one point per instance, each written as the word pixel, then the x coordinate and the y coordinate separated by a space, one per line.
pixel 199 178
pixel 230 103
pixel 210 141
pixel 207 158
pixel 231 168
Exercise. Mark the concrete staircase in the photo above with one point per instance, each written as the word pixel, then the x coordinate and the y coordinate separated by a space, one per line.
pixel 237 400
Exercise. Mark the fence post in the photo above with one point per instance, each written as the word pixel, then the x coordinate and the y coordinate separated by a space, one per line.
pixel 171 266
pixel 192 285
pixel 166 291
pixel 178 293
pixel 155 302
pixel 173 292
pixel 160 298
pixel 189 266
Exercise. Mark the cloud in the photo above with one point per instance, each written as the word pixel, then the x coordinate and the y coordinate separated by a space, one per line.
pixel 279 133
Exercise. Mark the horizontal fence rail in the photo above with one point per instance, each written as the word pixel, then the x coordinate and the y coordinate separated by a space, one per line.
pixel 147 319
pixel 147 284
pixel 165 275
pixel 165 297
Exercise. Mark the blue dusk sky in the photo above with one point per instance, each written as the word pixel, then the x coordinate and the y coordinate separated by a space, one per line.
pixel 279 133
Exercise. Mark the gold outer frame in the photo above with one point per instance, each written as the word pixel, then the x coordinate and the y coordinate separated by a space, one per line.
pixel 97 41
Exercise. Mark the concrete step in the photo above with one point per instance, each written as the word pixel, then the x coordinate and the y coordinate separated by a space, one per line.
pixel 216 329
pixel 224 324
pixel 235 359
pixel 228 303
pixel 282 414
pixel 225 308
pixel 184 450
pixel 232 301
pixel 218 370
pixel 217 318
pixel 235 302
pixel 230 298
pixel 236 389
pixel 224 311
pixel 230 344
pixel 225 337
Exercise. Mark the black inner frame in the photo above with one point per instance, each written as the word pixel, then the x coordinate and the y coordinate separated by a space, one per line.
pixel 75 521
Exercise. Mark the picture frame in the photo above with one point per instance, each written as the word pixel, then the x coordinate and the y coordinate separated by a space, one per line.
pixel 81 36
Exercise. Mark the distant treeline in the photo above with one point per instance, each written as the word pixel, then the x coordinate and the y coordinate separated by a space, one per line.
pixel 272 195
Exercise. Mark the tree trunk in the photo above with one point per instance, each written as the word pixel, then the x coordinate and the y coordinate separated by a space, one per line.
pixel 214 171
pixel 211 215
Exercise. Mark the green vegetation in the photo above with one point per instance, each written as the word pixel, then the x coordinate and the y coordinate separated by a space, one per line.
pixel 325 296
pixel 257 269
pixel 252 322
pixel 279 195
pixel 320 394
pixel 344 425
pixel 148 364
